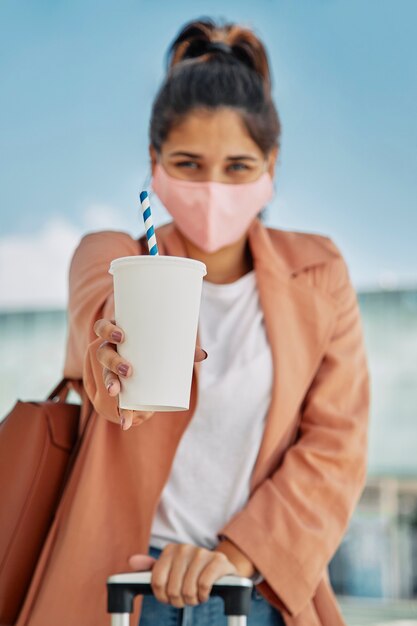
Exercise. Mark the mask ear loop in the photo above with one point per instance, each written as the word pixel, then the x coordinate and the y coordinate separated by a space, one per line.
pixel 147 185
pixel 274 180
pixel 265 211
pixel 147 180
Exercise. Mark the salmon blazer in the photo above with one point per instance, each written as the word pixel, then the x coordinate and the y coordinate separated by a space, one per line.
pixel 311 466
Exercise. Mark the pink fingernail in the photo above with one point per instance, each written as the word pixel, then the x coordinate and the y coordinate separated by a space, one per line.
pixel 122 422
pixel 123 369
pixel 109 386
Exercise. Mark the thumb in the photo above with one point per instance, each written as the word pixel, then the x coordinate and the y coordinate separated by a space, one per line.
pixel 141 562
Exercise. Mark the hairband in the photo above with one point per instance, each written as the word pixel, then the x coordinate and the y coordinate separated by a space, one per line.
pixel 218 46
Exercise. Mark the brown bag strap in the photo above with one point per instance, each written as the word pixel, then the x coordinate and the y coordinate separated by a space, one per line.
pixel 60 392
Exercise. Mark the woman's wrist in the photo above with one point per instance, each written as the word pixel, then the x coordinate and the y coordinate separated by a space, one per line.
pixel 243 565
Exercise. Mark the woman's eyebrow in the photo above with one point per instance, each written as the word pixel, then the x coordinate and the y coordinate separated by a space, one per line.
pixel 241 157
pixel 192 155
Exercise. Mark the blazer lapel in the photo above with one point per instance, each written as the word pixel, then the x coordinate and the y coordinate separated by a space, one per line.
pixel 299 319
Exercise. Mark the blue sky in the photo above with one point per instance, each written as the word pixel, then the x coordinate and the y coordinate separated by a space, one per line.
pixel 77 83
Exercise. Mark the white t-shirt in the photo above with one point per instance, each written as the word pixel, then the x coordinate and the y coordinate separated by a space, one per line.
pixel 212 467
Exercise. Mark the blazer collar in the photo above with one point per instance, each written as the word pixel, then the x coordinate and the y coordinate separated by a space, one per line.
pixel 287 252
pixel 275 251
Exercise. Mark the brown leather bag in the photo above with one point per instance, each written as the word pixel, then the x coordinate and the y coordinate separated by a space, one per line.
pixel 38 445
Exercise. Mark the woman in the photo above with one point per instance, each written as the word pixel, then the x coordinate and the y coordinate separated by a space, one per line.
pixel 261 475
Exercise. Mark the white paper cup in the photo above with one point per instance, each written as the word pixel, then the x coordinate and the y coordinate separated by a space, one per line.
pixel 157 303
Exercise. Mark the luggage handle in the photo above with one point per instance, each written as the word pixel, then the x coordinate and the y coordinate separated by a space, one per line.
pixel 236 592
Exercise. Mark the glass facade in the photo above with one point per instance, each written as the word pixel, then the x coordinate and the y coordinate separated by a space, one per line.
pixel 34 344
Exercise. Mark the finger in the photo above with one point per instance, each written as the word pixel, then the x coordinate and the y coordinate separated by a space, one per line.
pixel 126 418
pixel 138 419
pixel 108 357
pixel 160 574
pixel 111 382
pixel 132 418
pixel 200 354
pixel 182 557
pixel 141 562
pixel 107 329
pixel 200 559
pixel 218 566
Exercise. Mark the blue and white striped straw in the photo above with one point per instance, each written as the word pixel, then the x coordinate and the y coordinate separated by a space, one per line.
pixel 147 218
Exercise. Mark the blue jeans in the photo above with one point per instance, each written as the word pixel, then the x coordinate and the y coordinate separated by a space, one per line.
pixel 210 613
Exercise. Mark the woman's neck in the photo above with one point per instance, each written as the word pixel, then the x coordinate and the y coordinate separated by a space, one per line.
pixel 227 264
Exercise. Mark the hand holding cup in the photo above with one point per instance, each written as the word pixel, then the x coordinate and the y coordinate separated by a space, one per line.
pixel 115 368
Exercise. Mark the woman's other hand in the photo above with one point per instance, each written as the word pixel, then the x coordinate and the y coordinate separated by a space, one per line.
pixel 184 573
pixel 114 367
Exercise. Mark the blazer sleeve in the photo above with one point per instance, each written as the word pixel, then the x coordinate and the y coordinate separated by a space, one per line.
pixel 90 298
pixel 294 521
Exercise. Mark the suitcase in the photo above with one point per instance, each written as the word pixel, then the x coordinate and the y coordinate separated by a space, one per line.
pixel 236 592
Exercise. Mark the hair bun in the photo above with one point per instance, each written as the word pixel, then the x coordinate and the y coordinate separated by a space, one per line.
pixel 250 50
pixel 203 37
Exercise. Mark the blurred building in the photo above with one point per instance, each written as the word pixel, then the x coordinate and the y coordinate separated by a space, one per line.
pixel 378 556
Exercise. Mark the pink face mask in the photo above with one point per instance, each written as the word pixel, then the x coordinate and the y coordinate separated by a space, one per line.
pixel 211 215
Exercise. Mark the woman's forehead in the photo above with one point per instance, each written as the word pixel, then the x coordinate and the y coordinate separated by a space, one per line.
pixel 221 132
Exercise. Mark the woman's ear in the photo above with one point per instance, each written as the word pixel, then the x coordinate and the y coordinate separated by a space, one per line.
pixel 272 159
pixel 154 157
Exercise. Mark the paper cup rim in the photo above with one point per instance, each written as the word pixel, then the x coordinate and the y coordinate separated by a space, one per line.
pixel 160 259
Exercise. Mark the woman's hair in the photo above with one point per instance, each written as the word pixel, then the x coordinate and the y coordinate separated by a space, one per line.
pixel 211 66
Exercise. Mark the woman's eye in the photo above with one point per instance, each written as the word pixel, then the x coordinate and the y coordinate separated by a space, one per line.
pixel 187 164
pixel 236 167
